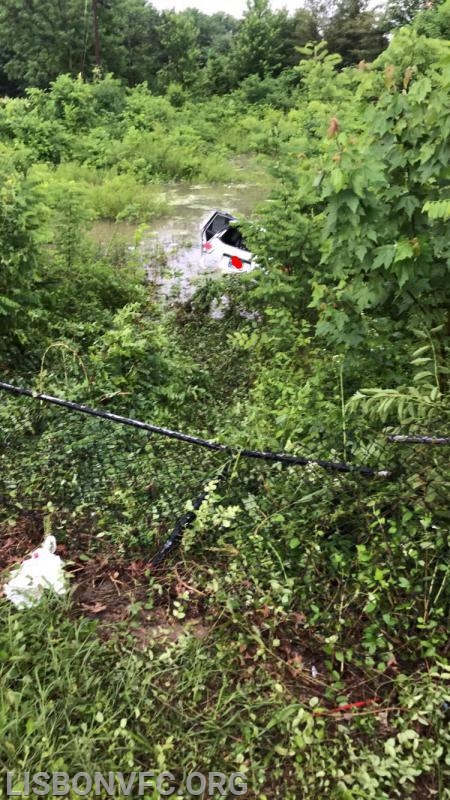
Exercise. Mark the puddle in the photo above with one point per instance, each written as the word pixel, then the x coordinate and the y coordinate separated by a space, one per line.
pixel 170 245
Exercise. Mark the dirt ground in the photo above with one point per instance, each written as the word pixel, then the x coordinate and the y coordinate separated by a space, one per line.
pixel 115 590
pixel 106 586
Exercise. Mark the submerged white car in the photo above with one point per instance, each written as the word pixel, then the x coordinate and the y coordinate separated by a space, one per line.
pixel 223 246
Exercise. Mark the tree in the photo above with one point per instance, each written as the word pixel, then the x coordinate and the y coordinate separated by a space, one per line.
pixel 321 11
pixel 361 222
pixel 178 36
pixel 215 32
pixel 354 32
pixel 258 45
pixel 434 22
pixel 7 86
pixel 402 12
pixel 42 39
pixel 297 31
pixel 129 31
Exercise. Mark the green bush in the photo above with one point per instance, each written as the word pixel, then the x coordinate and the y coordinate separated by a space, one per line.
pixel 123 197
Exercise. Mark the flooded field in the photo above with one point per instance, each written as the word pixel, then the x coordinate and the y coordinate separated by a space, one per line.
pixel 170 245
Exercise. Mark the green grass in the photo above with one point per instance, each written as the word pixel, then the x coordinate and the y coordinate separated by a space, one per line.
pixel 226 702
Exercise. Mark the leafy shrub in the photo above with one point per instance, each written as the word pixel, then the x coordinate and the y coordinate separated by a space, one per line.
pixel 123 197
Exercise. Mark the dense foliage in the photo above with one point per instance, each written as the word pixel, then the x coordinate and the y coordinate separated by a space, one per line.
pixel 296 590
pixel 39 41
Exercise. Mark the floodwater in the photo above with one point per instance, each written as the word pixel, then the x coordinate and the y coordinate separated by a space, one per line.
pixel 169 246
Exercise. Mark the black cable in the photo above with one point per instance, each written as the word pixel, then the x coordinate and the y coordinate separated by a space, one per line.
pixel 176 536
pixel 282 458
pixel 400 439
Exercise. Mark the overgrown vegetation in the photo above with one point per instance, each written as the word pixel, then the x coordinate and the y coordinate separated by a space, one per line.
pixel 297 590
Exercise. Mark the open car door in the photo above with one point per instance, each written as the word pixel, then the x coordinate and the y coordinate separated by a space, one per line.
pixel 219 221
pixel 223 247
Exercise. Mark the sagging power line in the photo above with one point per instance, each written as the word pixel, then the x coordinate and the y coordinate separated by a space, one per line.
pixel 282 458
pixel 403 439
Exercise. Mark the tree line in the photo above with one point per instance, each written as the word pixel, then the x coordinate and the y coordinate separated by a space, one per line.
pixel 40 39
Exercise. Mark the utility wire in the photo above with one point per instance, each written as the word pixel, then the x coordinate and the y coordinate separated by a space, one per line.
pixel 176 536
pixel 282 458
pixel 402 439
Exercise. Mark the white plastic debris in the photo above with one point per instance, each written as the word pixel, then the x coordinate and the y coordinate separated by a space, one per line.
pixel 219 308
pixel 41 570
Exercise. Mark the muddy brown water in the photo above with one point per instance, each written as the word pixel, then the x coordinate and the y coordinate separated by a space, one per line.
pixel 169 246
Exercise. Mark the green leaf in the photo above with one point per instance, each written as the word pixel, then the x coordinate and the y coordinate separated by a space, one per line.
pixel 389 748
pixel 337 179
pixel 384 256
pixel 437 209
pixel 359 184
pixel 403 250
pixel 352 202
